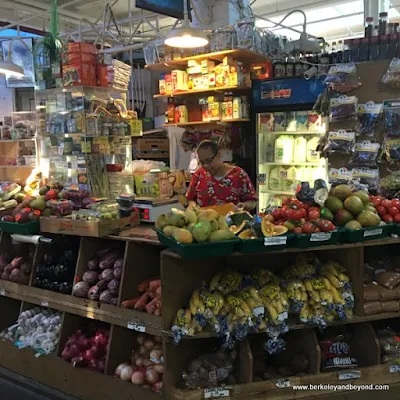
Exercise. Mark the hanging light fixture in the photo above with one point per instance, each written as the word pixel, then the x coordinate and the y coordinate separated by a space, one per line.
pixel 186 36
pixel 9 68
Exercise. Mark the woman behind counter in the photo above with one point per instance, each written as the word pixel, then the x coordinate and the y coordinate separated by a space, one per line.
pixel 218 183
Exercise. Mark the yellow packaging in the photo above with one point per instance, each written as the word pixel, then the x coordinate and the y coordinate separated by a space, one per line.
pixel 235 76
pixel 179 80
pixel 206 66
pixel 211 79
pixel 222 75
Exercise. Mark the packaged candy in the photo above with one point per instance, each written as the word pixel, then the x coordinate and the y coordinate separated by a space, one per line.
pixel 340 141
pixel 368 115
pixel 343 108
pixel 391 117
pixel 339 73
pixel 365 153
pixel 392 74
pixel 366 176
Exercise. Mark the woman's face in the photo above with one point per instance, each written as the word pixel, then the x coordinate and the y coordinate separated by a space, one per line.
pixel 208 160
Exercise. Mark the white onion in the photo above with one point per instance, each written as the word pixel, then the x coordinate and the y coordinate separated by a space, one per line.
pixel 118 370
pixel 141 338
pixel 159 368
pixel 126 373
pixel 152 376
pixel 138 378
pixel 139 361
pixel 149 344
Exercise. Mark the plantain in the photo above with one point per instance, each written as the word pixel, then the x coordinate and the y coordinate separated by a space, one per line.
pixel 272 313
pixel 308 286
pixel 304 296
pixel 343 278
pixel 193 308
pixel 337 299
pixel 215 281
pixel 315 296
pixel 254 294
pixel 326 282
pixel 333 280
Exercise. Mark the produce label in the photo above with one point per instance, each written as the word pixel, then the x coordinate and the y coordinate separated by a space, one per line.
pixel 258 311
pixel 136 327
pixel 216 392
pixel 349 375
pixel 2 292
pixel 275 241
pixel 320 236
pixel 282 383
pixel 44 303
pixel 373 232
pixel 394 368
pixel 271 292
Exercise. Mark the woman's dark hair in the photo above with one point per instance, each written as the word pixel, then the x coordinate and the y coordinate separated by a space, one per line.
pixel 208 144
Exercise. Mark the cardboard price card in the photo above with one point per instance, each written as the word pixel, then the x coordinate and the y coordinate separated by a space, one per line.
pixel 216 392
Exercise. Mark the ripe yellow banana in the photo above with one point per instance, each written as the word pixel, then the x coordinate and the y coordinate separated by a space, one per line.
pixel 343 278
pixel 254 294
pixel 193 308
pixel 215 281
pixel 333 280
pixel 308 286
pixel 272 313
pixel 326 282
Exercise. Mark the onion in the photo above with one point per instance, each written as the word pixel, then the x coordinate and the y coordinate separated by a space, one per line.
pixel 152 376
pixel 139 361
pixel 141 338
pixel 118 370
pixel 149 344
pixel 158 339
pixel 157 387
pixel 142 350
pixel 159 368
pixel 126 373
pixel 156 356
pixel 146 363
pixel 138 378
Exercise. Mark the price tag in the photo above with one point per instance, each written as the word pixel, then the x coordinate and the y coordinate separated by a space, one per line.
pixel 275 241
pixel 320 236
pixel 2 292
pixel 394 368
pixel 216 392
pixel 349 375
pixel 44 303
pixel 136 327
pixel 282 383
pixel 373 232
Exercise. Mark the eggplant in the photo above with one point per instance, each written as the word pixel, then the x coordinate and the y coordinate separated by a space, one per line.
pixel 46 284
pixel 49 258
pixel 65 288
pixel 41 271
pixel 61 272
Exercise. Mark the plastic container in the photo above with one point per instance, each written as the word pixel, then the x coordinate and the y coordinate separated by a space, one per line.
pixel 284 149
pixel 288 178
pixel 275 179
pixel 312 153
pixel 23 229
pixel 300 149
pixel 60 207
pixel 364 234
pixel 199 250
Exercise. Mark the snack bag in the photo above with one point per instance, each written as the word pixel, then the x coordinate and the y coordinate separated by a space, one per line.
pixel 369 115
pixel 367 177
pixel 365 154
pixel 343 108
pixel 391 118
pixel 339 73
pixel 392 74
pixel 340 141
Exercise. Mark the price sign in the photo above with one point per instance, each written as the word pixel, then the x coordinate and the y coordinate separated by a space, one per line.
pixel 349 375
pixel 394 368
pixel 2 292
pixel 275 241
pixel 320 236
pixel 282 383
pixel 216 392
pixel 373 232
pixel 44 303
pixel 136 327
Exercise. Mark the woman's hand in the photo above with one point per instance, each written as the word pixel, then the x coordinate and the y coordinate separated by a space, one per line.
pixel 247 206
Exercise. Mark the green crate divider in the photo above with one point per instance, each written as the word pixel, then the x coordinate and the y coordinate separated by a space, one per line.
pixel 199 250
pixel 395 229
pixel 372 233
pixel 249 246
pixel 310 239
pixel 23 229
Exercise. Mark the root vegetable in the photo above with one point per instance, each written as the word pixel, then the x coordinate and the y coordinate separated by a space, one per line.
pixel 93 264
pixel 114 301
pixel 141 304
pixel 102 252
pixel 152 376
pixel 19 277
pixel 126 373
pixel 102 285
pixel 149 344
pixel 157 312
pixel 130 303
pixel 107 275
pixel 81 289
pixel 91 277
pixel 159 368
pixel 8 268
pixel 153 305
pixel 138 378
pixel 119 262
pixel 94 293
pixel 144 285
pixel 26 268
pixel 17 262
pixel 113 286
pixel 154 285
pixel 106 297
pixel 108 260
pixel 117 272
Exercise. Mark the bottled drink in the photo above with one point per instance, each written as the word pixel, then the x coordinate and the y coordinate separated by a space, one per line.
pixel 347 51
pixel 383 19
pixel 369 27
pixel 339 52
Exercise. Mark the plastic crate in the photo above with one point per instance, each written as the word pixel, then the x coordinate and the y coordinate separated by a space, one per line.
pixel 23 229
pixel 263 245
pixel 363 234
pixel 315 239
pixel 199 250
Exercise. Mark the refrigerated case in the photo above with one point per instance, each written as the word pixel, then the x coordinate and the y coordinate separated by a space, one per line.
pixel 287 133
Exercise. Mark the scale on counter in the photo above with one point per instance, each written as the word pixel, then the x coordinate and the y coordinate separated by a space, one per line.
pixel 150 208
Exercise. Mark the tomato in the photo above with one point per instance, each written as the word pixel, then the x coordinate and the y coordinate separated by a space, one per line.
pixel 388 218
pixel 294 214
pixel 396 203
pixel 268 218
pixel 298 230
pixel 381 210
pixel 303 212
pixel 317 229
pixel 377 200
pixel 326 226
pixel 313 215
pixel 313 209
pixel 393 211
pixel 276 214
pixel 283 211
pixel 387 204
pixel 396 218
pixel 308 227
pixel 306 206
pixel 371 197
pixel 296 203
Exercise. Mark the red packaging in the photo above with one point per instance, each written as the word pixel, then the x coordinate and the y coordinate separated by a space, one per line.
pixel 102 79
pixel 79 47
pixel 261 71
pixel 79 74
pixel 78 58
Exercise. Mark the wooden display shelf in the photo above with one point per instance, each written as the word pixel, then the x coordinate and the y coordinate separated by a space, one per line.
pixel 222 121
pixel 243 55
pixel 200 91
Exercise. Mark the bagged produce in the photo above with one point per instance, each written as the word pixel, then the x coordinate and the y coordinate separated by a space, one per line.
pixel 373 307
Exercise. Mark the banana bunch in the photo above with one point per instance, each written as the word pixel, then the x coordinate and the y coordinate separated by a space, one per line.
pixel 335 273
pixel 304 266
pixel 253 300
pixel 186 322
pixel 275 303
pixel 296 291
pixel 262 276
pixel 321 291
pixel 213 302
pixel 196 304
pixel 226 282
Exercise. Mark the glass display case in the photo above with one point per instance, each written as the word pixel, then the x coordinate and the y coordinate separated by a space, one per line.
pixel 85 138
pixel 287 152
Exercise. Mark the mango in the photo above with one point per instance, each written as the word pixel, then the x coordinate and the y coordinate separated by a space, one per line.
pixel 190 227
pixel 161 222
pixel 202 231
pixel 191 216
pixel 183 236
pixel 176 219
pixel 169 230
pixel 208 215
pixel 219 236
pixel 222 224
pixel 214 225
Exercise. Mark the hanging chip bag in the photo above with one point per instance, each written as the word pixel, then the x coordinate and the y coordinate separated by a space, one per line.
pixel 365 153
pixel 343 108
pixel 368 115
pixel 340 141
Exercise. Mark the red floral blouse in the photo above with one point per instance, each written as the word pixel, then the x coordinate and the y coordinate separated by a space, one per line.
pixel 235 188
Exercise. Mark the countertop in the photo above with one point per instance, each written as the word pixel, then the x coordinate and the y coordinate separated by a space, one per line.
pixel 143 233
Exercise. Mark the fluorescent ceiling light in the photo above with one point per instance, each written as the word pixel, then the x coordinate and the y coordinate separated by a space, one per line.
pixel 10 69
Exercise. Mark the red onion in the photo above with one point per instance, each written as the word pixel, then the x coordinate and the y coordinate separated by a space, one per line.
pixel 83 343
pixel 149 344
pixel 139 361
pixel 141 338
pixel 138 378
pixel 126 373
pixel 70 352
pixel 118 370
pixel 152 376
pixel 157 387
pixel 159 368
pixel 100 339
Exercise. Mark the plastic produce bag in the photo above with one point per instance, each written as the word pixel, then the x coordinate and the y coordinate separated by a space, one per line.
pixel 340 141
pixel 392 74
pixel 391 118
pixel 339 73
pixel 367 178
pixel 339 176
pixel 365 153
pixel 343 108
pixel 391 150
pixel 369 115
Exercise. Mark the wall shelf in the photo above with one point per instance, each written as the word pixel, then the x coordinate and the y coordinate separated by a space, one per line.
pixel 199 91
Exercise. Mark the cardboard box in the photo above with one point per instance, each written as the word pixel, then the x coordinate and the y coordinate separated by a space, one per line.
pixel 153 185
pixel 78 58
pixel 261 71
pixel 151 148
pixel 79 47
pixel 222 75
pixel 104 227
pixel 179 80
pixel 79 74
